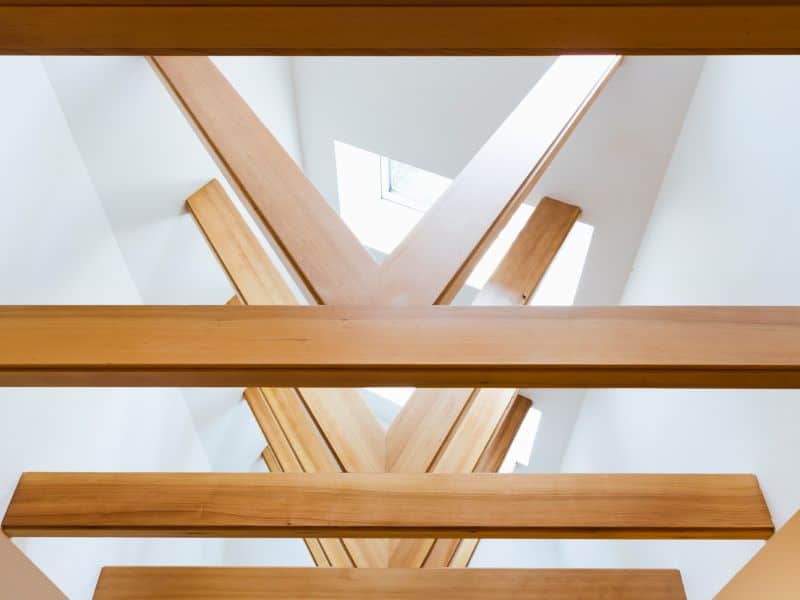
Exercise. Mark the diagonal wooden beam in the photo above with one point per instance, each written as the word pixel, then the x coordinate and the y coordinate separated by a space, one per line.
pixel 412 447
pixel 21 578
pixel 355 436
pixel 218 583
pixel 481 200
pixel 280 458
pixel 446 433
pixel 392 27
pixel 388 505
pixel 457 553
pixel 772 572
pixel 622 346
pixel 326 256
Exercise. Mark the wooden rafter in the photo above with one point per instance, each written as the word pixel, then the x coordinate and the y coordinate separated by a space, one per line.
pixel 388 505
pixel 186 583
pixel 413 27
pixel 325 346
pixel 20 578
pixel 772 573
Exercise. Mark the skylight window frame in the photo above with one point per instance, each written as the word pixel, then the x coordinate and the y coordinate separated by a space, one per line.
pixel 390 195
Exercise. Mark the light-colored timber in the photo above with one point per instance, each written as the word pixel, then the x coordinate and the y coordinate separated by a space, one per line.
pixel 405 27
pixel 20 578
pixel 773 572
pixel 188 583
pixel 388 505
pixel 478 204
pixel 439 346
pixel 323 252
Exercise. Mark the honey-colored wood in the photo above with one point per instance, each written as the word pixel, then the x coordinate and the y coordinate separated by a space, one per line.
pixel 345 421
pixel 218 583
pixel 323 252
pixel 388 505
pixel 280 458
pixel 773 572
pixel 419 432
pixel 457 553
pixel 621 346
pixel 412 27
pixel 20 578
pixel 474 209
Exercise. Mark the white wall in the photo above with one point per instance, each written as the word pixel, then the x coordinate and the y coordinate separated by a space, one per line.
pixel 57 247
pixel 725 230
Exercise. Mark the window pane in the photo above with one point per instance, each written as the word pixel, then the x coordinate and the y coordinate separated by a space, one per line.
pixel 419 187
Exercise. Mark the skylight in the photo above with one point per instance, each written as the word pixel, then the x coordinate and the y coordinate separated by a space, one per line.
pixel 410 186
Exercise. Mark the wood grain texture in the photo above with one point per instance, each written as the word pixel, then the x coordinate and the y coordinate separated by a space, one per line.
pixel 346 422
pixel 428 27
pixel 20 578
pixel 388 505
pixel 218 583
pixel 420 431
pixel 478 204
pixel 773 572
pixel 457 553
pixel 626 346
pixel 322 251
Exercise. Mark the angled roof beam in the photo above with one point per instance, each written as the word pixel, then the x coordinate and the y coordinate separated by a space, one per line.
pixel 388 505
pixel 470 214
pixel 772 572
pixel 326 346
pixel 187 583
pixel 324 254
pixel 21 578
pixel 390 27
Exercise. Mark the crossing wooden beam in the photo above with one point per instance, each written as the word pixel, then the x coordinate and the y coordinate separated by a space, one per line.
pixel 20 578
pixel 625 346
pixel 772 572
pixel 322 251
pixel 218 583
pixel 389 27
pixel 388 505
pixel 455 232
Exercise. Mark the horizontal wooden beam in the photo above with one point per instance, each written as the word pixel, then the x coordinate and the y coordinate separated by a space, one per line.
pixel 440 346
pixel 254 583
pixel 386 27
pixel 388 505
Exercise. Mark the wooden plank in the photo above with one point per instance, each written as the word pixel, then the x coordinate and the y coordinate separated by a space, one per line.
pixel 772 573
pixel 388 505
pixel 447 346
pixel 326 256
pixel 413 27
pixel 217 583
pixel 474 209
pixel 20 578
pixel 348 425
pixel 457 553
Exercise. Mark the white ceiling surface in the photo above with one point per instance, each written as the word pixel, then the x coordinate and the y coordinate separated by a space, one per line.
pixel 144 160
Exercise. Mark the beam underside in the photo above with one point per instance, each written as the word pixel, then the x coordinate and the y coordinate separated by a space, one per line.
pixel 388 505
pixel 176 583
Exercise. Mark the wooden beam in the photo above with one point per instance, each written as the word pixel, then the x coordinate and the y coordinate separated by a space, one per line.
pixel 326 256
pixel 388 505
pixel 474 209
pixel 419 432
pixel 626 346
pixel 341 415
pixel 389 27
pixel 211 583
pixel 772 573
pixel 457 553
pixel 20 578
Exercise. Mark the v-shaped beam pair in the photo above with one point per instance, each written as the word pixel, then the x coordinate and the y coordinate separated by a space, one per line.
pixel 323 430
